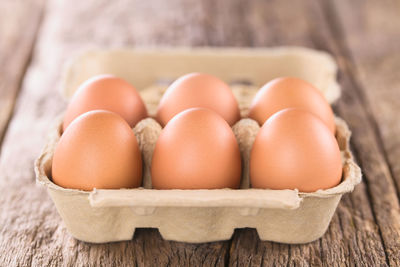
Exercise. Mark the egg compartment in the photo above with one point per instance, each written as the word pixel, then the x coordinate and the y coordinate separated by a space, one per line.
pixel 286 216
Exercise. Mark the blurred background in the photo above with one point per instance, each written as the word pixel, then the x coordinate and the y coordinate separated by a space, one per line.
pixel 37 37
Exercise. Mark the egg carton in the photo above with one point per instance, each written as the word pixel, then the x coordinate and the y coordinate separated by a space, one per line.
pixel 287 216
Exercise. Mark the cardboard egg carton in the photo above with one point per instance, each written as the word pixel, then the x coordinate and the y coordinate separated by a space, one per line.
pixel 286 216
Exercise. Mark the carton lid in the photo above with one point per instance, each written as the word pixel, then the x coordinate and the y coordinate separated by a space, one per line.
pixel 146 67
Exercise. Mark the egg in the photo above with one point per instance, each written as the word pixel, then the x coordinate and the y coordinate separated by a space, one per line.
pixel 106 92
pixel 290 92
pixel 97 150
pixel 196 150
pixel 295 149
pixel 198 90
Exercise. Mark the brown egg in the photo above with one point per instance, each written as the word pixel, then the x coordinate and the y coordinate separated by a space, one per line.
pixel 196 150
pixel 295 149
pixel 97 150
pixel 106 92
pixel 290 92
pixel 198 90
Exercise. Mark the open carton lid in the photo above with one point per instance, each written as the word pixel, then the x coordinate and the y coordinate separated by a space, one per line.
pixel 147 67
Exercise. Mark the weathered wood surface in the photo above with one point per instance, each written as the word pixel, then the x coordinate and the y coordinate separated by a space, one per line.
pixel 19 21
pixel 362 35
pixel 379 90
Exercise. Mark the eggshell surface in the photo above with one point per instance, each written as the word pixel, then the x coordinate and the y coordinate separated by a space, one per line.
pixel 110 93
pixel 97 150
pixel 196 150
pixel 295 150
pixel 288 92
pixel 198 90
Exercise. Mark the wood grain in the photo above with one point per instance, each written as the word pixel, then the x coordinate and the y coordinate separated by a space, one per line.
pixel 369 112
pixel 365 228
pixel 19 21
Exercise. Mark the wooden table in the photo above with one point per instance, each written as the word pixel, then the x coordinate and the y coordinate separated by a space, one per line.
pixel 37 37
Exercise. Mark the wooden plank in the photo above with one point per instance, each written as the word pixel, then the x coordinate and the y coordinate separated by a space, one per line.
pixel 19 21
pixel 375 92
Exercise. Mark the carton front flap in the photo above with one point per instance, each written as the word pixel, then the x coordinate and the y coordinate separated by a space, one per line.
pixel 259 198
